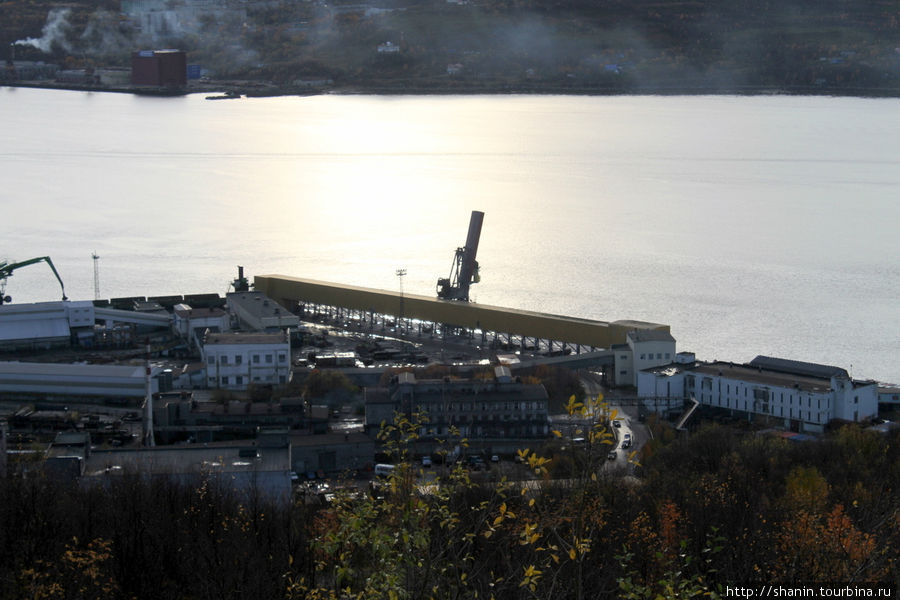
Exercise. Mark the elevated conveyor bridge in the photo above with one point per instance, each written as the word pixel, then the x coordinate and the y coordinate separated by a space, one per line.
pixel 372 304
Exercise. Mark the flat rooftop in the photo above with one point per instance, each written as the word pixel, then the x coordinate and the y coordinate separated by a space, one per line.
pixel 278 337
pixel 188 459
pixel 764 377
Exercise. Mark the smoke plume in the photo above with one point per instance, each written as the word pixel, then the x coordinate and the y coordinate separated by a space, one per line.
pixel 54 32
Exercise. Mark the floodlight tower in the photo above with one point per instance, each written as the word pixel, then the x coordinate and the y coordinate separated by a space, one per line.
pixel 400 273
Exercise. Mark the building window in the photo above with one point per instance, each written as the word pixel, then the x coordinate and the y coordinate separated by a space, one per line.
pixel 225 380
pixel 667 356
pixel 211 360
pixel 268 359
pixel 282 357
pixel 256 359
pixel 238 359
pixel 642 356
pixel 239 379
pixel 658 355
pixel 224 359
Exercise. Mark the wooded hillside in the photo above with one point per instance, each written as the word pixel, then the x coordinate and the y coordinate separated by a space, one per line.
pixel 497 45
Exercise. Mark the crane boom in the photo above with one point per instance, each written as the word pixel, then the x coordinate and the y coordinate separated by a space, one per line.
pixel 7 268
pixel 464 270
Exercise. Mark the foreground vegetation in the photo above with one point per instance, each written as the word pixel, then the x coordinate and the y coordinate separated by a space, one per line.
pixel 713 510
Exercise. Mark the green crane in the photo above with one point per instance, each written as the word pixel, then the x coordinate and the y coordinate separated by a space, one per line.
pixel 7 268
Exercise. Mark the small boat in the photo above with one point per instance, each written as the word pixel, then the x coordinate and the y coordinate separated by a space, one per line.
pixel 225 96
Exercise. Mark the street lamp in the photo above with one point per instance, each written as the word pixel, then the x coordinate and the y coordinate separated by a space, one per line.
pixel 400 273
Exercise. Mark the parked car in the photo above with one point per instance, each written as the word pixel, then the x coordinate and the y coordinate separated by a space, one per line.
pixel 476 463
pixel 617 423
pixel 611 455
pixel 383 470
pixel 426 461
pixel 495 458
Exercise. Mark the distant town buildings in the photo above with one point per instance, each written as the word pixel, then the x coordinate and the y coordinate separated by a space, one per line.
pixel 388 48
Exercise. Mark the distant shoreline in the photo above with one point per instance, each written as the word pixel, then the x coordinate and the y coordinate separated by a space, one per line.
pixel 254 89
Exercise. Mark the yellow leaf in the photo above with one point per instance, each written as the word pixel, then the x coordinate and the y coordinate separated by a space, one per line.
pixel 572 554
pixel 557 433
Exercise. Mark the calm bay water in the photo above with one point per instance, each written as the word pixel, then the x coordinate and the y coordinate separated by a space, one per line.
pixel 750 225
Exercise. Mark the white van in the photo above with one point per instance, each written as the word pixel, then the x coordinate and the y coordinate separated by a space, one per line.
pixel 383 470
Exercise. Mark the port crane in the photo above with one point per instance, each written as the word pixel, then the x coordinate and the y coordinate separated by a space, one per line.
pixel 464 270
pixel 7 268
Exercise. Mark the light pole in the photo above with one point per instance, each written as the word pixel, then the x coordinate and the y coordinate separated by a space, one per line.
pixel 400 273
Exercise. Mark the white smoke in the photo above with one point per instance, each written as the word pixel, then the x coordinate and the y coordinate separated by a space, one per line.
pixel 54 32
pixel 102 36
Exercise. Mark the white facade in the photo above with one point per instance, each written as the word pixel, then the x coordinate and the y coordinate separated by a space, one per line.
pixel 800 401
pixel 645 348
pixel 661 389
pixel 235 360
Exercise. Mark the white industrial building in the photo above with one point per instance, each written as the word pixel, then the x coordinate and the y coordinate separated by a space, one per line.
pixel 77 379
pixel 46 325
pixel 257 312
pixel 235 360
pixel 43 325
pixel 192 323
pixel 801 396
pixel 644 348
